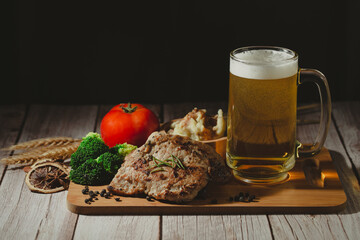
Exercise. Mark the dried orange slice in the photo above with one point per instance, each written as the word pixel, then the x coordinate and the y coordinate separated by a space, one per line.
pixel 48 177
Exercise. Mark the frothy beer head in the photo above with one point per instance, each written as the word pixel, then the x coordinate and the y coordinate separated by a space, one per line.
pixel 263 63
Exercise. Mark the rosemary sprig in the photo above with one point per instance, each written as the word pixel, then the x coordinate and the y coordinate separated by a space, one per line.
pixel 162 162
pixel 171 160
pixel 182 166
pixel 156 164
pixel 157 169
pixel 159 163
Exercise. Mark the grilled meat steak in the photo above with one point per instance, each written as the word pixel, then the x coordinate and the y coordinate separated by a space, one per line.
pixel 139 175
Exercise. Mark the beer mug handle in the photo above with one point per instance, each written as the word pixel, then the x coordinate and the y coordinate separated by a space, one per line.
pixel 325 100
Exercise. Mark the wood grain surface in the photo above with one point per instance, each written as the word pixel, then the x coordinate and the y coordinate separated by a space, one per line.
pixel 11 120
pixel 323 226
pixel 26 215
pixel 346 117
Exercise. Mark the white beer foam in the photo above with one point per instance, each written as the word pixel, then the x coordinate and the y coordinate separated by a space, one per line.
pixel 263 64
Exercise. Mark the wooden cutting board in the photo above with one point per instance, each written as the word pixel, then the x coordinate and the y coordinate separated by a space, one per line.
pixel 313 187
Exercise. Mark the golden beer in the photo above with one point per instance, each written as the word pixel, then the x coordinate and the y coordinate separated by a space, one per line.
pixel 262 116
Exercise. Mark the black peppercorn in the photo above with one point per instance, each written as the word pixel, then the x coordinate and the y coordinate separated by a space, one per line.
pixel 251 198
pixel 149 198
pixel 117 199
pixel 84 191
pixel 241 199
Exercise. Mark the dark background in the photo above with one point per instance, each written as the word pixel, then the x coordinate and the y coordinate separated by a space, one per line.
pixel 171 51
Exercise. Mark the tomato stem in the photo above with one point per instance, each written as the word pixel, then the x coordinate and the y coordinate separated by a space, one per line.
pixel 128 109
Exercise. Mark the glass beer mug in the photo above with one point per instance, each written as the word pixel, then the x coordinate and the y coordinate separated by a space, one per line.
pixel 261 134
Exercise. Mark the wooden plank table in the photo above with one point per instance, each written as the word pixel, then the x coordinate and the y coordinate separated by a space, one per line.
pixel 27 215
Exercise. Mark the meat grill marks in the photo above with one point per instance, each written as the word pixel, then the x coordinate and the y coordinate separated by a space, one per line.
pixel 202 164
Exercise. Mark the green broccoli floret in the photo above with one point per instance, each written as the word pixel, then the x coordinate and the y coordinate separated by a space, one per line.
pixel 91 147
pixel 113 159
pixel 111 162
pixel 94 163
pixel 123 149
pixel 91 173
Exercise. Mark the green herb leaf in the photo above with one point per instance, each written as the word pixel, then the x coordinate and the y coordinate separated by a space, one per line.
pixel 173 161
pixel 179 161
pixel 157 170
pixel 159 163
pixel 162 162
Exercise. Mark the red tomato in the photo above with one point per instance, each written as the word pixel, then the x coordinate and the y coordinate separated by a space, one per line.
pixel 130 123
